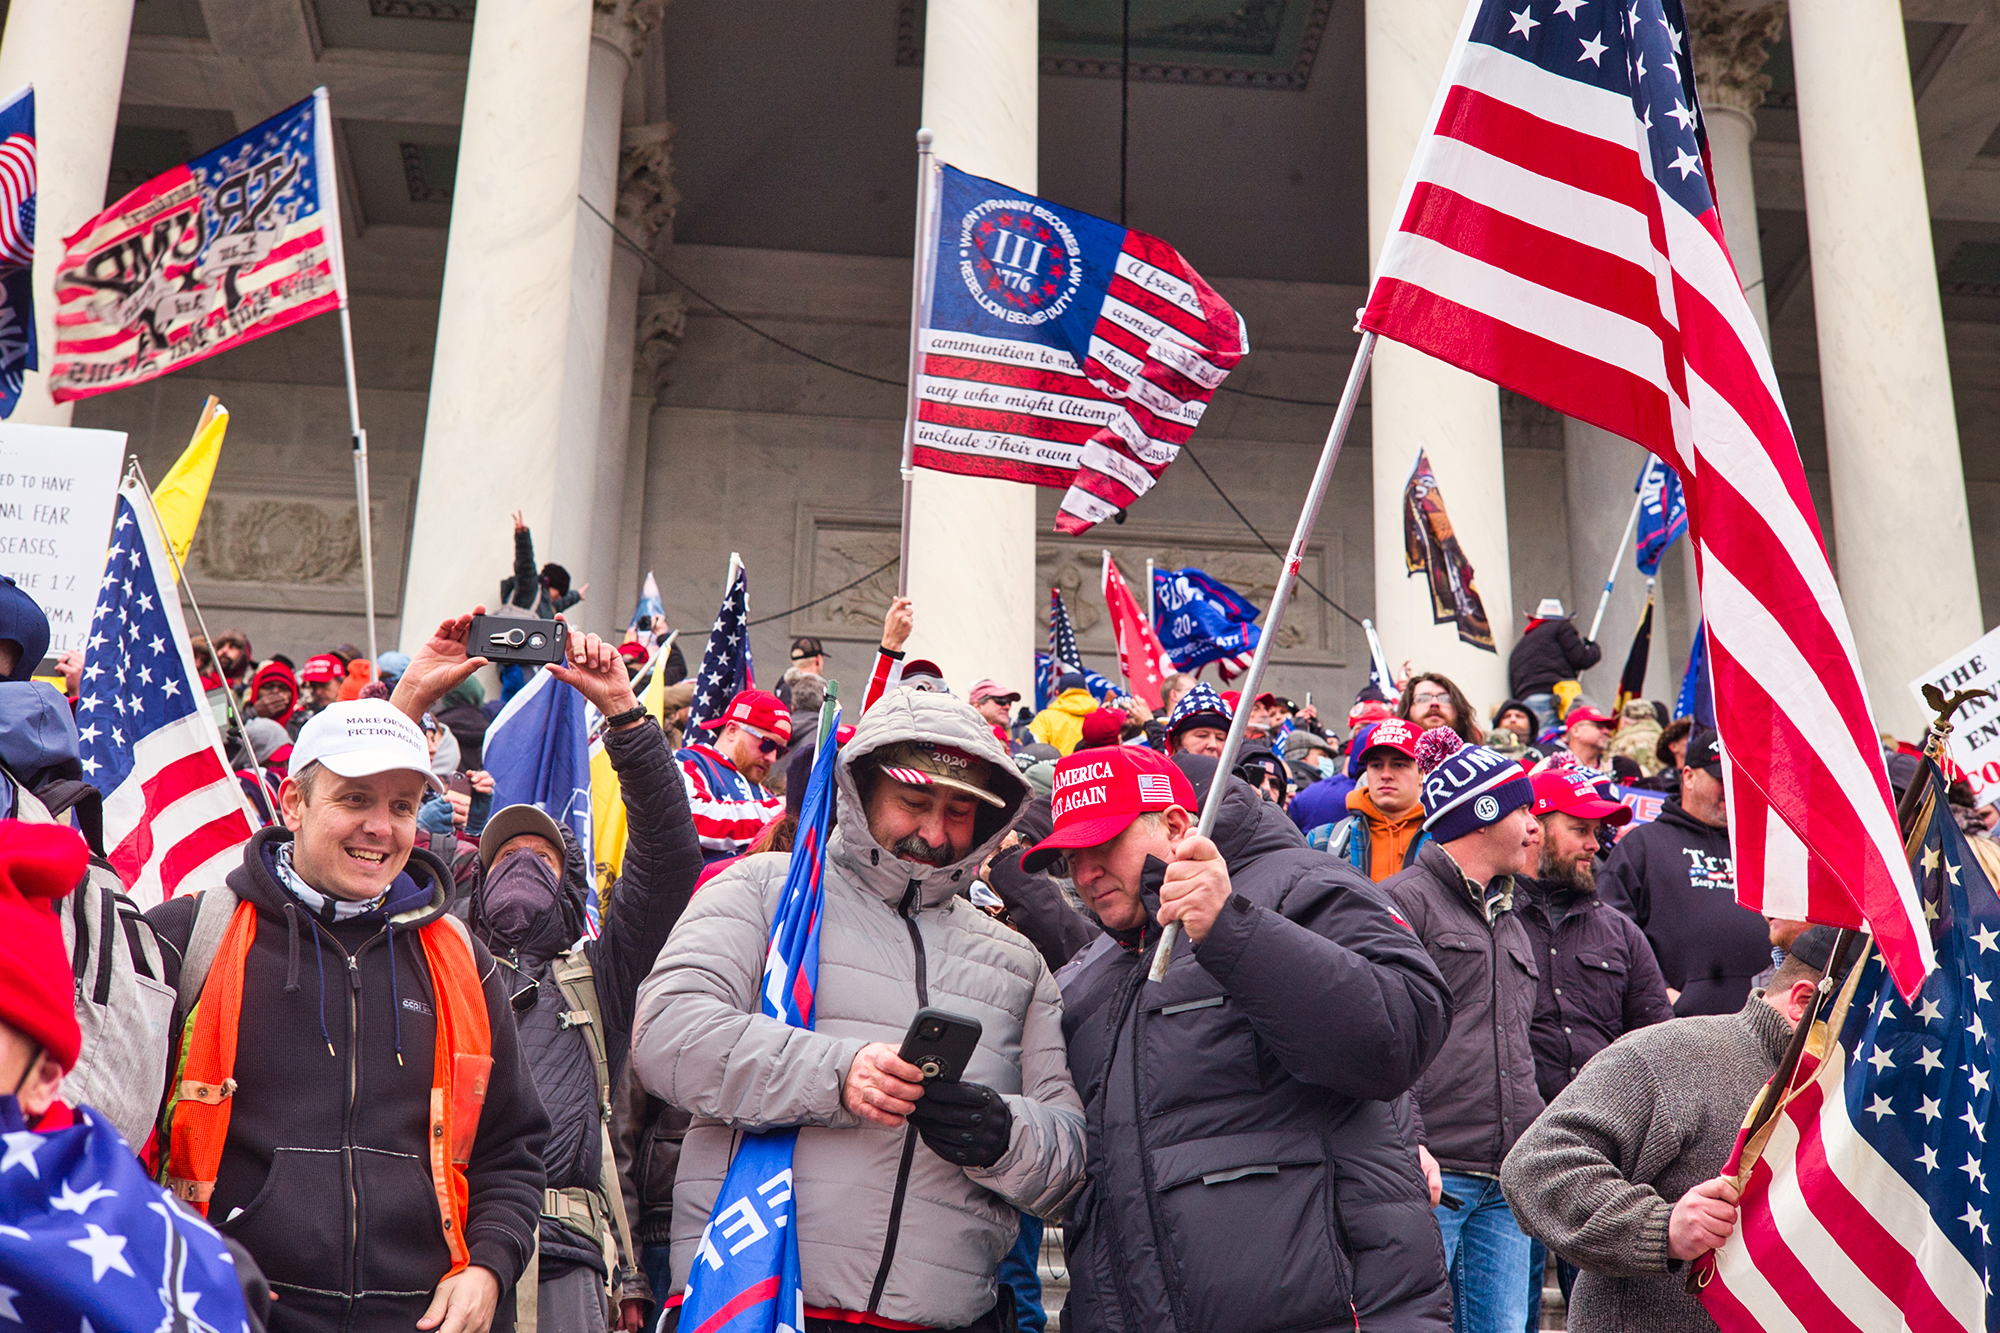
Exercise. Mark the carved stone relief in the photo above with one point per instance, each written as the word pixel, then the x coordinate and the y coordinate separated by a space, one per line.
pixel 298 548
pixel 1732 41
pixel 627 23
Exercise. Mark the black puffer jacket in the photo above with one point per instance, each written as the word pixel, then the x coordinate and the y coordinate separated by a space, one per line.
pixel 662 861
pixel 1549 652
pixel 325 1176
pixel 1251 1164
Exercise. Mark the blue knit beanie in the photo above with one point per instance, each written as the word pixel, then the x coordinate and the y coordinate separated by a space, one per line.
pixel 1467 787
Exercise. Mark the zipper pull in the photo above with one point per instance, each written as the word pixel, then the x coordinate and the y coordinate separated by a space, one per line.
pixel 354 972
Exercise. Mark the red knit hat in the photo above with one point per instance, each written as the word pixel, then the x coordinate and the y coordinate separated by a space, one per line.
pixel 39 863
pixel 1102 727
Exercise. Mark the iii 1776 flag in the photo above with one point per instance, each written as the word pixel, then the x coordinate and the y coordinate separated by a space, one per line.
pixel 240 242
pixel 1557 235
pixel 745 1276
pixel 17 245
pixel 1062 350
pixel 174 820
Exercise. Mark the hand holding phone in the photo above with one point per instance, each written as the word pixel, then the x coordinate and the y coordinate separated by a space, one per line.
pixel 940 1044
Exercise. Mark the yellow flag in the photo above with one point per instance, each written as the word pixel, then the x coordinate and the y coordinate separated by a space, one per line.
pixel 609 832
pixel 182 492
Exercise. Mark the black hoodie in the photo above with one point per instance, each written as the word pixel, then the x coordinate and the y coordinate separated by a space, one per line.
pixel 1677 879
pixel 325 1176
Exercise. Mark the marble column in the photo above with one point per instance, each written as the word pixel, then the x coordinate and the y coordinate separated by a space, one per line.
pixel 495 408
pixel 1732 40
pixel 972 539
pixel 1899 516
pixel 1598 471
pixel 73 51
pixel 1417 403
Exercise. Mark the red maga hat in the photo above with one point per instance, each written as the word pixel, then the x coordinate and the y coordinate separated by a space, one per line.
pixel 1098 792
pixel 1585 713
pixel 759 710
pixel 1571 791
pixel 322 668
pixel 1394 733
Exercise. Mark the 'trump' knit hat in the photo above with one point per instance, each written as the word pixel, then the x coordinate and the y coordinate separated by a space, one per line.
pixel 40 863
pixel 1467 787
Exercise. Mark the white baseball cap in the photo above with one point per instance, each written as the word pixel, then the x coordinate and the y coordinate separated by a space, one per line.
pixel 363 738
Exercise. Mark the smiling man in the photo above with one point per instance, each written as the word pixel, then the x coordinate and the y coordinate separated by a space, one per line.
pixel 354 1107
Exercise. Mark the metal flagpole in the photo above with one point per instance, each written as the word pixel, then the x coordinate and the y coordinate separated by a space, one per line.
pixel 1618 557
pixel 1376 654
pixel 921 274
pixel 1104 582
pixel 1288 575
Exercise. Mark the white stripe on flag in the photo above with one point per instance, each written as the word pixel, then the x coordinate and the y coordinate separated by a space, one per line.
pixel 1597 112
pixel 1167 286
pixel 978 347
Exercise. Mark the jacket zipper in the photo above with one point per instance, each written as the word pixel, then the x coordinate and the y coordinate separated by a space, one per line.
pixel 1499 1080
pixel 1175 1310
pixel 909 1131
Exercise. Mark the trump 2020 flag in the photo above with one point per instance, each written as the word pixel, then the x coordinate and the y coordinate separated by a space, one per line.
pixel 538 752
pixel 87 1241
pixel 17 245
pixel 1202 619
pixel 240 242
pixel 1062 350
pixel 745 1277
pixel 1663 515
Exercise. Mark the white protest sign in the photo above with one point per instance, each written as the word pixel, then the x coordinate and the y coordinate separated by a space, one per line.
pixel 1975 737
pixel 58 489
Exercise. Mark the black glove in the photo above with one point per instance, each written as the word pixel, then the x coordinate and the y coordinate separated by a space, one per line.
pixel 964 1123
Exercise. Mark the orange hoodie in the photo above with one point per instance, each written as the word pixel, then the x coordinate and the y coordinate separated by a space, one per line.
pixel 1389 837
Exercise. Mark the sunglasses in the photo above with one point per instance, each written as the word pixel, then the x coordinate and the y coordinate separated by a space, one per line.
pixel 767 746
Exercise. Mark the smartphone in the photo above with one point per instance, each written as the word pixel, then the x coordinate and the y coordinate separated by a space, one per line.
pixel 459 783
pixel 506 639
pixel 941 1044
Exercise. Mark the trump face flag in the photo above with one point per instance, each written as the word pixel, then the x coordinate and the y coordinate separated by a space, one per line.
pixel 1557 235
pixel 1061 350
pixel 17 245
pixel 538 753
pixel 240 242
pixel 745 1277
pixel 1203 620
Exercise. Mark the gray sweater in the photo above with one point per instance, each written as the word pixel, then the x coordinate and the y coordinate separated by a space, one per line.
pixel 1597 1176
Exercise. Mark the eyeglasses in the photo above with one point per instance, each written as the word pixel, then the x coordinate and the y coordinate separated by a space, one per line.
pixel 1430 698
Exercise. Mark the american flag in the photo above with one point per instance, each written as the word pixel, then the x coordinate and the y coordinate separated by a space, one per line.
pixel 17 244
pixel 1557 235
pixel 1062 350
pixel 1871 1204
pixel 1064 655
pixel 174 818
pixel 725 663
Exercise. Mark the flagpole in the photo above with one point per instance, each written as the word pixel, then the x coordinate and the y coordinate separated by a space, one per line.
pixel 1288 575
pixel 1618 556
pixel 1104 585
pixel 921 274
pixel 1375 653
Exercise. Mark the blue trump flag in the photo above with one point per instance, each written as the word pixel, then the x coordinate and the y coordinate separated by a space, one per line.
pixel 745 1277
pixel 1697 697
pixel 538 751
pixel 1202 620
pixel 17 245
pixel 88 1241
pixel 1663 514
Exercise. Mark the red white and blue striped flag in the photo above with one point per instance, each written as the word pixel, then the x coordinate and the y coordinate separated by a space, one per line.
pixel 18 194
pixel 1557 235
pixel 1062 350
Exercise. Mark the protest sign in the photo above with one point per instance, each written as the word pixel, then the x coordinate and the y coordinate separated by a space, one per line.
pixel 57 490
pixel 1975 738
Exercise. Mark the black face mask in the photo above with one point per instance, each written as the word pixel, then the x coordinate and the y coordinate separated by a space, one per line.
pixel 520 890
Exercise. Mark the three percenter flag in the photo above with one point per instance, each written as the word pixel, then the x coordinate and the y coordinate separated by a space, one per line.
pixel 1557 235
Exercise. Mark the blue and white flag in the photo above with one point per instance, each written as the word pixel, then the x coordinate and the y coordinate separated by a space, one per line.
pixel 726 667
pixel 1202 620
pixel 87 1241
pixel 745 1277
pixel 538 751
pixel 17 244
pixel 1697 699
pixel 648 607
pixel 1663 514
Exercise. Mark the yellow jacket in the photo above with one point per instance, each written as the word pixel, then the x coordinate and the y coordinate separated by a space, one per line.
pixel 1061 723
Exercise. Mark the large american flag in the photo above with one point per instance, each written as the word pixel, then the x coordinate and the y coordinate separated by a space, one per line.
pixel 725 664
pixel 1062 350
pixel 18 193
pixel 1557 235
pixel 174 819
pixel 1871 1204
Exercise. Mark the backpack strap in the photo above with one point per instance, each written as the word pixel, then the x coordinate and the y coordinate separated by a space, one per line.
pixel 577 980
pixel 212 911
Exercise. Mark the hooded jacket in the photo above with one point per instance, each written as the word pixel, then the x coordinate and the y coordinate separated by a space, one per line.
pixel 277 673
pixel 661 863
pixel 1376 844
pixel 1598 982
pixel 886 1226
pixel 1676 877
pixel 325 1176
pixel 1252 1165
pixel 1061 723
pixel 1475 1101
pixel 1548 651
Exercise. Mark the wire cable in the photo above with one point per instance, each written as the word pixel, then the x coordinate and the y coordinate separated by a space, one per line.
pixel 1196 459
pixel 765 620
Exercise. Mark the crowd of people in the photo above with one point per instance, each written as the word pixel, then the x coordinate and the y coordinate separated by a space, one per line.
pixel 1425 1034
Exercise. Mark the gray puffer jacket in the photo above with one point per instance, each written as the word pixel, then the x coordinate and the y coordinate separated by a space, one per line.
pixel 885 1225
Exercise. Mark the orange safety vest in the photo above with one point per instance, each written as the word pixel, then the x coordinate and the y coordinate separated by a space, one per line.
pixel 460 1068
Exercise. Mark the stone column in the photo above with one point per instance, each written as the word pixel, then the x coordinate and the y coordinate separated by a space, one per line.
pixel 1417 403
pixel 503 315
pixel 1899 516
pixel 646 198
pixel 972 539
pixel 73 51
pixel 1732 39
